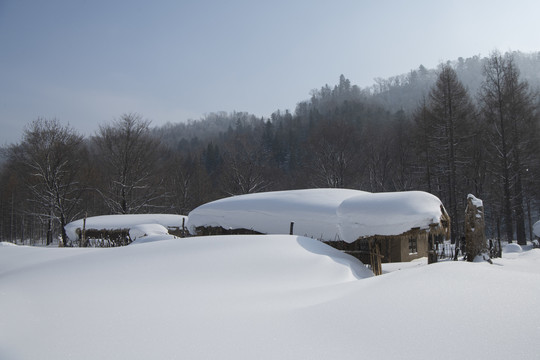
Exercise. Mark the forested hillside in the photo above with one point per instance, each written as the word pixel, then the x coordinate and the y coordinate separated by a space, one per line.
pixel 469 126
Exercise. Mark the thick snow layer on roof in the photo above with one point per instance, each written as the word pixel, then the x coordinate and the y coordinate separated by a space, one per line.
pixel 327 214
pixel 141 230
pixel 145 233
pixel 127 221
pixel 387 213
pixel 313 212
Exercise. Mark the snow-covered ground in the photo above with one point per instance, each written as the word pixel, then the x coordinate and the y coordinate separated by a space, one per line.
pixel 261 297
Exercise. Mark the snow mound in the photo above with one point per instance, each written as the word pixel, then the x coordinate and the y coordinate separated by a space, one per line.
pixel 152 238
pixel 482 257
pixel 536 228
pixel 512 248
pixel 145 233
pixel 138 231
pixel 5 243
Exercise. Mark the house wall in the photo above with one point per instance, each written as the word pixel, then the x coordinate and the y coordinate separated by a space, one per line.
pixel 396 248
pixel 392 248
pixel 422 248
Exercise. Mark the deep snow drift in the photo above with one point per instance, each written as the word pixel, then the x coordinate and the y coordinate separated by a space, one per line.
pixel 260 297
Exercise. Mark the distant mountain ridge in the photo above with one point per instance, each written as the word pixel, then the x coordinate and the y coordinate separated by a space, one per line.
pixel 399 92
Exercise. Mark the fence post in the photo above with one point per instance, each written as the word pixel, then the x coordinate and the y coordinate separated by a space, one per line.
pixel 83 234
pixel 183 227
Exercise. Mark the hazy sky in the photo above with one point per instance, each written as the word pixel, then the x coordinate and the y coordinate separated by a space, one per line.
pixel 88 62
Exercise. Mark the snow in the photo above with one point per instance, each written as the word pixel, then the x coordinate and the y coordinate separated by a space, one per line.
pixel 484 256
pixel 536 228
pixel 512 248
pixel 141 230
pixel 475 201
pixel 127 221
pixel 144 233
pixel 313 212
pixel 387 213
pixel 260 297
pixel 327 214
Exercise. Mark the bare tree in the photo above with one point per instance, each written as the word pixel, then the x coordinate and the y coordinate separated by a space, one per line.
pixel 425 145
pixel 508 106
pixel 128 156
pixel 50 157
pixel 377 151
pixel 243 168
pixel 453 112
pixel 187 183
pixel 402 154
pixel 335 158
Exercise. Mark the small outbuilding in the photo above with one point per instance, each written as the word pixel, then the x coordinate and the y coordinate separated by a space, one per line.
pixel 114 230
pixel 393 227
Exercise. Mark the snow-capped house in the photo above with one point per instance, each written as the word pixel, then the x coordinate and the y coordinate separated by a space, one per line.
pixel 398 226
pixel 395 227
pixel 116 229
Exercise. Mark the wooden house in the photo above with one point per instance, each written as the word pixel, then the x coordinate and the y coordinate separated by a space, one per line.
pixel 388 227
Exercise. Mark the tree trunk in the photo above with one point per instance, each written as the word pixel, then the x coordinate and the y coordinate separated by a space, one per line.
pixel 65 239
pixel 49 232
pixel 475 237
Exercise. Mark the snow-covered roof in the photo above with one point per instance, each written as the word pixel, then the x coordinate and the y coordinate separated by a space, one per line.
pixel 327 214
pixel 127 221
pixel 313 212
pixel 394 213
pixel 145 233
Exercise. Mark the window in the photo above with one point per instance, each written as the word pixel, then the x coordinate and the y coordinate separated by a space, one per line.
pixel 413 245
